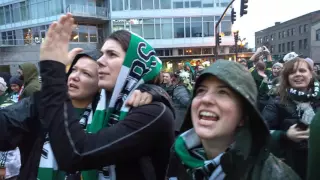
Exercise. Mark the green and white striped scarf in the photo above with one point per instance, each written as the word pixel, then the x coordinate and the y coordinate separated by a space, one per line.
pixel 140 65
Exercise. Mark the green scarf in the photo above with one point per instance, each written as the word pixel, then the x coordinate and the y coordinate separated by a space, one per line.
pixel 301 96
pixel 190 151
pixel 140 65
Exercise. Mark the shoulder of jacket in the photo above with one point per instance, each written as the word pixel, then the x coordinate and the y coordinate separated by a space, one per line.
pixel 274 168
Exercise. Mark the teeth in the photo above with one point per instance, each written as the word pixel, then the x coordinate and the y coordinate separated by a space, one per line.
pixel 208 114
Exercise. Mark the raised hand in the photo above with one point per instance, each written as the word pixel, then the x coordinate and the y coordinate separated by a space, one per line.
pixel 56 44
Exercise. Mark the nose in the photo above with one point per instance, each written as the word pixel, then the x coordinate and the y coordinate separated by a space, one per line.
pixel 75 76
pixel 208 98
pixel 102 61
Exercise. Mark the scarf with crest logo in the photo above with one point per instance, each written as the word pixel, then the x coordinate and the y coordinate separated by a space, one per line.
pixel 140 65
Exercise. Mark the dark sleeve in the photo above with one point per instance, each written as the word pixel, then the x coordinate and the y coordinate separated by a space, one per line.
pixel 16 121
pixel 314 148
pixel 74 149
pixel 270 114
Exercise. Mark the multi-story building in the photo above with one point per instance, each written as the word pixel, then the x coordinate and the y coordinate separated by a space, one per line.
pixel 300 35
pixel 23 26
pixel 180 30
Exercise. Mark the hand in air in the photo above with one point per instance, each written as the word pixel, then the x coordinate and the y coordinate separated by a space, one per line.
pixel 56 44
pixel 139 98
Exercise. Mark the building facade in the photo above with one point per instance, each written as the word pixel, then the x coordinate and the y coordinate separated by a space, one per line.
pixel 179 30
pixel 24 23
pixel 300 35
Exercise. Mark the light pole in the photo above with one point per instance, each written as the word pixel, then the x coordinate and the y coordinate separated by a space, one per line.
pixel 236 38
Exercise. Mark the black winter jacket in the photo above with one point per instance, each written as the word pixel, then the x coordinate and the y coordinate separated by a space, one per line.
pixel 279 117
pixel 139 145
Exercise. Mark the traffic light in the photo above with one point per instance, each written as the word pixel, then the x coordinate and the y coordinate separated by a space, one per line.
pixel 219 41
pixel 233 16
pixel 243 8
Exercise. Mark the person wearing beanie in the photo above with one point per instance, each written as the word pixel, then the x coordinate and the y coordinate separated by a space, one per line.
pixel 16 86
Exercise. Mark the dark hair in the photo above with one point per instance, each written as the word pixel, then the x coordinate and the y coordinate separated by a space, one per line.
pixel 288 69
pixel 122 37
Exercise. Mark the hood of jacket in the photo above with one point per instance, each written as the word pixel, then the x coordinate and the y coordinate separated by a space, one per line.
pixel 254 135
pixel 30 72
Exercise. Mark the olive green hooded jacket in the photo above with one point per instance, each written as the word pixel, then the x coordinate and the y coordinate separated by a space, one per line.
pixel 30 79
pixel 249 158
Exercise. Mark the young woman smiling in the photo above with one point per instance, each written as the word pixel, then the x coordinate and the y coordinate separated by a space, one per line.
pixel 225 136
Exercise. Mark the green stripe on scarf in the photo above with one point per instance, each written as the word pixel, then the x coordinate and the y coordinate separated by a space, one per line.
pixel 185 156
pixel 140 65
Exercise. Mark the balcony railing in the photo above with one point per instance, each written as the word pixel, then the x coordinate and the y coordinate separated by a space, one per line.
pixel 88 11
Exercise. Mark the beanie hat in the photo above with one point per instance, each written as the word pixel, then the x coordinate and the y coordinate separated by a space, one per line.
pixel 277 65
pixel 290 56
pixel 310 61
pixel 16 80
pixel 3 85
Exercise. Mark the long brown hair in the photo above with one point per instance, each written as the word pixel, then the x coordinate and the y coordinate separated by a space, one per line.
pixel 288 69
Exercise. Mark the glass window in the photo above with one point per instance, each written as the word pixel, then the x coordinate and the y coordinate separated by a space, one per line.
pixel 75 36
pixel 166 28
pixel 224 3
pixel 206 50
pixel 24 11
pixel 83 33
pixel 7 14
pixel 147 4
pixel 288 32
pixel 283 47
pixel 157 28
pixel 165 4
pixel 177 4
pixel 11 37
pixel 207 3
pixel 293 31
pixel 292 46
pixel 117 5
pixel 188 28
pixel 157 4
pixel 19 37
pixel 305 28
pixel 4 37
pixel 318 35
pixel 178 27
pixel 226 28
pixel 196 3
pixel 93 33
pixel 180 52
pixel 35 33
pixel 186 4
pixel 288 46
pixel 136 27
pixel 279 48
pixel 41 9
pixel 196 27
pixel 148 29
pixel 135 4
pixel 2 16
pixel 16 12
pixel 208 26
pixel 27 34
pixel 305 43
pixel 300 44
pixel 279 37
pixel 300 29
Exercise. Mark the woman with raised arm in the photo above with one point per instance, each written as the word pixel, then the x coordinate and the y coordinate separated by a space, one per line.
pixel 118 142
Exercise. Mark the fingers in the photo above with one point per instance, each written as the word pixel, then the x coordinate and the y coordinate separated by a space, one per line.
pixel 146 98
pixel 131 99
pixel 72 54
